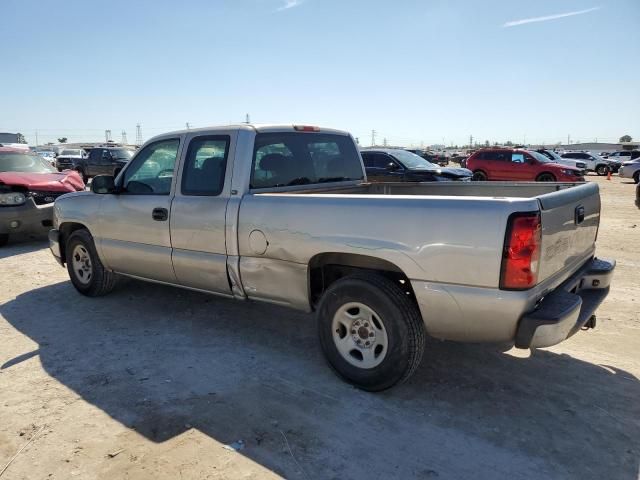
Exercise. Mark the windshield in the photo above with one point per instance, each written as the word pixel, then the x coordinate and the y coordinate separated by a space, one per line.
pixel 23 162
pixel 413 161
pixel 540 157
pixel 122 153
pixel 552 155
pixel 72 152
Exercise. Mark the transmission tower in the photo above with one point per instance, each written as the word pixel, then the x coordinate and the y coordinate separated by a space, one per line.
pixel 124 137
pixel 373 138
pixel 107 135
pixel 138 135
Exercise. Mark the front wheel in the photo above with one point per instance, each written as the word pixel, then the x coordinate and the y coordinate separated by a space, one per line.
pixel 371 333
pixel 85 269
pixel 602 170
pixel 546 177
pixel 479 176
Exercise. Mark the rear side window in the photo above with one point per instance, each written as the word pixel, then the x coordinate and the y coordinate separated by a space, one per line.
pixel 205 165
pixel 494 156
pixel 287 159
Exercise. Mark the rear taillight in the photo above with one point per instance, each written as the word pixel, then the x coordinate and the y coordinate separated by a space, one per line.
pixel 521 254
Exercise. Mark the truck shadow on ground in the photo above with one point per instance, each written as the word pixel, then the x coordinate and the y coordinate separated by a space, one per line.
pixel 161 361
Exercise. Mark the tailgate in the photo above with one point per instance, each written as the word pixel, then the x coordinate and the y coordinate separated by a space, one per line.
pixel 570 220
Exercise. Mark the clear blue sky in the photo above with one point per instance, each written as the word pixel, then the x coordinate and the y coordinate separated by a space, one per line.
pixel 413 70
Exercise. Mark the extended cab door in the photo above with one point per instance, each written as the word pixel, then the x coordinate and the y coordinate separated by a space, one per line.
pixel 198 212
pixel 134 224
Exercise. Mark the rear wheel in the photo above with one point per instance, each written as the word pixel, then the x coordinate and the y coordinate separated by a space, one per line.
pixel 85 269
pixel 546 177
pixel 636 177
pixel 602 170
pixel 371 333
pixel 4 238
pixel 479 176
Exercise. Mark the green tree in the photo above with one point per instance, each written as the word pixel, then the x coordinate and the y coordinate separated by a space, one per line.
pixel 625 138
pixel 21 138
pixel 62 140
pixel 509 143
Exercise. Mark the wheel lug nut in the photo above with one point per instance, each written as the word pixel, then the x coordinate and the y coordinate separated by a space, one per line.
pixel 371 334
pixel 366 324
pixel 367 343
pixel 353 332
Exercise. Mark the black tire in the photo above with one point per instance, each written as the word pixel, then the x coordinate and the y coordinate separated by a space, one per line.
pixel 4 238
pixel 479 176
pixel 546 177
pixel 398 315
pixel 101 281
pixel 636 179
pixel 602 170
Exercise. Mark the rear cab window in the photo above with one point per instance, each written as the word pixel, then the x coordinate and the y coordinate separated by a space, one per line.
pixel 284 159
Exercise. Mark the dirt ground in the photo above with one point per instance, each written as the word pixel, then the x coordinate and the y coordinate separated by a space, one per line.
pixel 154 382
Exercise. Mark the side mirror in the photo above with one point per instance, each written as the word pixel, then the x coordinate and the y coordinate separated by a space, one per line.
pixel 102 184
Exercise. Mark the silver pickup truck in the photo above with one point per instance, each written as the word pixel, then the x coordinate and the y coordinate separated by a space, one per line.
pixel 284 214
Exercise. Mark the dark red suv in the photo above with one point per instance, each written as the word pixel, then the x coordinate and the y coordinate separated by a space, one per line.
pixel 519 165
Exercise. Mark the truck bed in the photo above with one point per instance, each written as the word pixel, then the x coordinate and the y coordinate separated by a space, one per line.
pixel 447 189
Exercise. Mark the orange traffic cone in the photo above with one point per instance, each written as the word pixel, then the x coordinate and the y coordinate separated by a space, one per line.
pixel 608 174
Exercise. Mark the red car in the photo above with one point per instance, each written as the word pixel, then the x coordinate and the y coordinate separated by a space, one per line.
pixel 28 187
pixel 521 165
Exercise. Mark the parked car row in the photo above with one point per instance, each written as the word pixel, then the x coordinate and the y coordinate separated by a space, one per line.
pixel 398 165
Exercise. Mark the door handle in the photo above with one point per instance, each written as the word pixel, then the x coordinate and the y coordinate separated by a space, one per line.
pixel 160 214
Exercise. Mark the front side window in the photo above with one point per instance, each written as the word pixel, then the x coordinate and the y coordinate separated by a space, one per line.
pixel 205 166
pixel 152 169
pixel 286 159
pixel 517 157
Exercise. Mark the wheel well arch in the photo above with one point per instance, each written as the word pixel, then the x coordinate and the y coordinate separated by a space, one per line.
pixel 480 170
pixel 326 268
pixel 66 229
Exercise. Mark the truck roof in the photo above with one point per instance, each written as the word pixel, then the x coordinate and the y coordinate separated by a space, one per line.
pixel 256 127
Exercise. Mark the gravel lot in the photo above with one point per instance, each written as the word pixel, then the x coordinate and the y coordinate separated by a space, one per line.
pixel 153 382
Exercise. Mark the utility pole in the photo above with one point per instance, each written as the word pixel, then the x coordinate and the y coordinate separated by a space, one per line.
pixel 107 136
pixel 187 125
pixel 373 138
pixel 569 139
pixel 246 119
pixel 470 141
pixel 124 137
pixel 138 135
pixel 36 138
pixel 384 142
